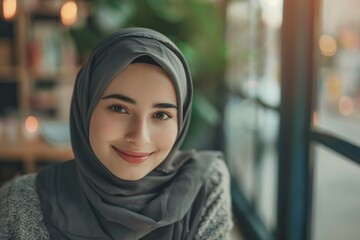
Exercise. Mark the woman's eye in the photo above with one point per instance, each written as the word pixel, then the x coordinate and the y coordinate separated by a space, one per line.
pixel 162 116
pixel 117 108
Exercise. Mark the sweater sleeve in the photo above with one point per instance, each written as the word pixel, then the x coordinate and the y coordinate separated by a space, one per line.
pixel 6 218
pixel 20 215
pixel 216 217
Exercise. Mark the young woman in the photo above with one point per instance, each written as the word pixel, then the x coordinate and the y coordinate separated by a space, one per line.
pixel 130 112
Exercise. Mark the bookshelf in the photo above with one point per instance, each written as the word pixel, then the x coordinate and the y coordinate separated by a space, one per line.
pixel 40 60
pixel 38 66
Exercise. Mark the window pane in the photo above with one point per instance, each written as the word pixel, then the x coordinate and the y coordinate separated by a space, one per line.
pixel 251 129
pixel 239 126
pixel 252 37
pixel 336 197
pixel 267 166
pixel 339 70
pixel 251 136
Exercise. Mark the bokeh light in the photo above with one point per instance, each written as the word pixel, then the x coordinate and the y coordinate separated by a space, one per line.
pixel 315 119
pixel 350 40
pixel 327 45
pixel 9 9
pixel 68 13
pixel 31 124
pixel 346 106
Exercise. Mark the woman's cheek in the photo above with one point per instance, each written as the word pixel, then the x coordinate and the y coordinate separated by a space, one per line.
pixel 167 136
pixel 103 126
pixel 112 129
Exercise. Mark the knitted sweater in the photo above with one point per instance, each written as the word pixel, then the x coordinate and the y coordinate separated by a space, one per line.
pixel 21 217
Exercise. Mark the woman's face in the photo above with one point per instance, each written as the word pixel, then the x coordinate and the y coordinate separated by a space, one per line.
pixel 134 125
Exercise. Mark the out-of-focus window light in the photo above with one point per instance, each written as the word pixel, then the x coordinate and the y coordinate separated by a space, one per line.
pixel 334 86
pixel 328 46
pixel 9 9
pixel 350 40
pixel 68 13
pixel 315 118
pixel 346 106
pixel 272 13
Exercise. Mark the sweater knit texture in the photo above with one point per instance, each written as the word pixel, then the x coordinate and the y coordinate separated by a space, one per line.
pixel 21 217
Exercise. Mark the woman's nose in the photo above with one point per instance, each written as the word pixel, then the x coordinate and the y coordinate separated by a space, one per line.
pixel 138 132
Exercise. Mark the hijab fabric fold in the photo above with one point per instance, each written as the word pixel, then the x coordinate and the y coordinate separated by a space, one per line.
pixel 82 199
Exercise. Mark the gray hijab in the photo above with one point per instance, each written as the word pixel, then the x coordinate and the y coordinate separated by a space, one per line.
pixel 82 199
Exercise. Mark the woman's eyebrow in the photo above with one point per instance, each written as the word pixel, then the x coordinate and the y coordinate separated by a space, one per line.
pixel 120 97
pixel 132 101
pixel 164 105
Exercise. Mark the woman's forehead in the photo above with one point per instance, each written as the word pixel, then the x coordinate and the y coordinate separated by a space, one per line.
pixel 142 77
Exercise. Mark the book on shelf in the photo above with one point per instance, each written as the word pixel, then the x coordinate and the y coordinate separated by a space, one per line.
pixel 52 52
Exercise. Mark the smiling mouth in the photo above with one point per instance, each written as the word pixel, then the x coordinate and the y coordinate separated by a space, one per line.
pixel 132 157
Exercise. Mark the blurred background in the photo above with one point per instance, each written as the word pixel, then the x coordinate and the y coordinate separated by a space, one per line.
pixel 277 89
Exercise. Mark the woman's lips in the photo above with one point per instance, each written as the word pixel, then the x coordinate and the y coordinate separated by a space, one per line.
pixel 132 157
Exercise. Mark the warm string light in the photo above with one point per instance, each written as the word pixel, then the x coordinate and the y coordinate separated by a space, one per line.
pixel 328 45
pixel 9 9
pixel 68 13
pixel 31 124
pixel 31 127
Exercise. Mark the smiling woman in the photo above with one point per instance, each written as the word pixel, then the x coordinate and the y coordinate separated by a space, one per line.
pixel 134 125
pixel 130 112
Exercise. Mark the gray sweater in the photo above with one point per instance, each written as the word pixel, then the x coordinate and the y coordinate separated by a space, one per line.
pixel 21 217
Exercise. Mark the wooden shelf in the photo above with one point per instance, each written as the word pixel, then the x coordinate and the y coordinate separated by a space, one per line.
pixel 7 73
pixel 60 74
pixel 46 10
pixel 30 151
pixel 39 54
pixel 10 73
